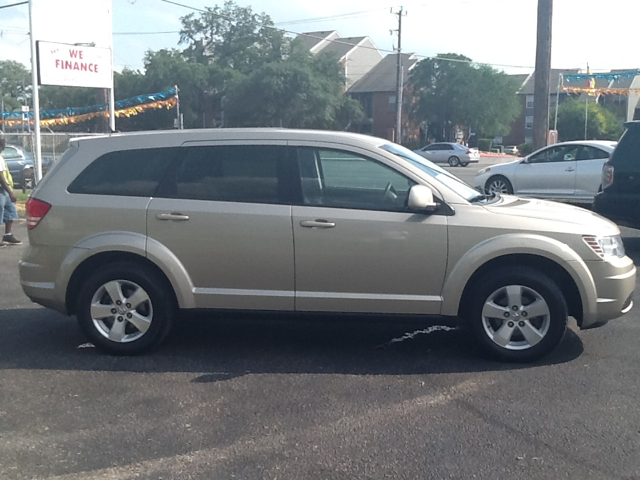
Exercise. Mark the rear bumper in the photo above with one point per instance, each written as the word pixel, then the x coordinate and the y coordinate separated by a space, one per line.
pixel 615 206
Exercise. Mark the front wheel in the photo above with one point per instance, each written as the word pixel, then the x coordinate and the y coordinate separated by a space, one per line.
pixel 124 309
pixel 498 184
pixel 454 161
pixel 517 314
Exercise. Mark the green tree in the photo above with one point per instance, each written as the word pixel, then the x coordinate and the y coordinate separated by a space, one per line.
pixel 233 37
pixel 303 91
pixel 602 124
pixel 15 84
pixel 451 91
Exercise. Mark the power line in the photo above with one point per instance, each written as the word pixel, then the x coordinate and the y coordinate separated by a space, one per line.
pixel 13 5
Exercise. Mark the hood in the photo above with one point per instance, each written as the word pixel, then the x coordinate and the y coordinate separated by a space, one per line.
pixel 568 215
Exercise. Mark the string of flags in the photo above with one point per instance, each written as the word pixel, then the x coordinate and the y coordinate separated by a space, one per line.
pixel 591 78
pixel 129 107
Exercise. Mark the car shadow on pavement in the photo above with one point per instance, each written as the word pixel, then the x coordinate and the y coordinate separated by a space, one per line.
pixel 217 348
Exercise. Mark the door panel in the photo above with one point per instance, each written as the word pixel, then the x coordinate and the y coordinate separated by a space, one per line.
pixel 589 171
pixel 238 255
pixel 222 212
pixel 550 173
pixel 369 261
pixel 357 248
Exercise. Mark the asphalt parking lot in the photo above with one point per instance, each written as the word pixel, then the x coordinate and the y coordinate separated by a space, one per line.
pixel 314 398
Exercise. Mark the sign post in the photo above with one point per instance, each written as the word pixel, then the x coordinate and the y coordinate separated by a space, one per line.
pixel 37 148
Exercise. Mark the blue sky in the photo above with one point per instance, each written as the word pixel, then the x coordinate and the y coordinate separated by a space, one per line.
pixel 498 32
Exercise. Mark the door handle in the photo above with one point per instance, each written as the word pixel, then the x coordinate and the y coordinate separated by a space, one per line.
pixel 175 217
pixel 570 169
pixel 317 224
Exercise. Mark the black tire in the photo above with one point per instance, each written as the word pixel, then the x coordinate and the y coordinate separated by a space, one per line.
pixel 491 295
pixel 454 161
pixel 155 310
pixel 498 184
pixel 466 164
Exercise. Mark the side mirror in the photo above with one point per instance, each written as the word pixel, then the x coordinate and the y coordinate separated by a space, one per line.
pixel 421 198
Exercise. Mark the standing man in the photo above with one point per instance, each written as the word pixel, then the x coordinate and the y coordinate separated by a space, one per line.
pixel 8 211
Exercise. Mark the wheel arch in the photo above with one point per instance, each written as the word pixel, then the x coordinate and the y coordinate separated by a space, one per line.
pixel 544 254
pixel 90 264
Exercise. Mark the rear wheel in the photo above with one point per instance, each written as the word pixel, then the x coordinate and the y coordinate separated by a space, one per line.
pixel 124 309
pixel 465 164
pixel 454 161
pixel 498 184
pixel 517 314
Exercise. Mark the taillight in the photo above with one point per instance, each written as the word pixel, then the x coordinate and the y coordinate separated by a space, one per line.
pixel 36 210
pixel 607 175
pixel 468 152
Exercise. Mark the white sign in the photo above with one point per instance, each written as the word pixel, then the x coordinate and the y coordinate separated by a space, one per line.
pixel 74 65
pixel 73 21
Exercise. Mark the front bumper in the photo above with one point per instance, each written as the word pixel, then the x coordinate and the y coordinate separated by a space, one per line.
pixel 615 282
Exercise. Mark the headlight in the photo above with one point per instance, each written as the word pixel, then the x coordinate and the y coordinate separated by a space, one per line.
pixel 605 246
pixel 483 170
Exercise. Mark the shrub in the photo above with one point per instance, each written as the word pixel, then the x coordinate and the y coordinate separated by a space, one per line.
pixel 525 149
pixel 484 144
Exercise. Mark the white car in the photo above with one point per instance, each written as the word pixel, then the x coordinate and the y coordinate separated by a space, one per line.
pixel 452 153
pixel 563 171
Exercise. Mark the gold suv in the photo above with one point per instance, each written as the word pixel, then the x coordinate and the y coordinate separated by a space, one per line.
pixel 126 230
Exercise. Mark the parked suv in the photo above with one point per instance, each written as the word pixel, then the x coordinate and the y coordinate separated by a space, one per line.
pixel 619 199
pixel 128 229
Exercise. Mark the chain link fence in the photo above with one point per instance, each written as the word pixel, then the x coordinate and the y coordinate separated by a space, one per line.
pixel 53 144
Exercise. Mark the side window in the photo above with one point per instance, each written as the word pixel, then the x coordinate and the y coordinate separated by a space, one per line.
pixel 234 173
pixel 341 179
pixel 591 153
pixel 446 146
pixel 9 153
pixel 133 173
pixel 543 156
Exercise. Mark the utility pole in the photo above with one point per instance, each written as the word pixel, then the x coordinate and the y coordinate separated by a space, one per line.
pixel 399 79
pixel 542 75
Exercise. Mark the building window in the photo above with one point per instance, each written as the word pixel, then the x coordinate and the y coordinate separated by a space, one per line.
pixel 392 103
pixel 529 101
pixel 528 122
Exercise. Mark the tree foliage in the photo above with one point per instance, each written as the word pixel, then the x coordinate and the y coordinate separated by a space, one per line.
pixel 302 91
pixel 15 84
pixel 601 123
pixel 451 91
pixel 232 37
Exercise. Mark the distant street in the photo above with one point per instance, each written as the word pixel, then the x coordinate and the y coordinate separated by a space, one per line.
pixel 467 173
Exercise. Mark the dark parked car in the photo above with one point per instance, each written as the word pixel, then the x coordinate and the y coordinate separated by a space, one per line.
pixel 619 199
pixel 21 165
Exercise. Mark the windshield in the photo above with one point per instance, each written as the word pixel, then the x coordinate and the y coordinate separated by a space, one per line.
pixel 434 171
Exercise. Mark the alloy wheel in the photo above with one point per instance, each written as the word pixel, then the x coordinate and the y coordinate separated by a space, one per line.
pixel 121 311
pixel 516 317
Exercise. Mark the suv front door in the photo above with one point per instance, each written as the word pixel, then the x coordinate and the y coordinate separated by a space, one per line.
pixel 357 247
pixel 225 213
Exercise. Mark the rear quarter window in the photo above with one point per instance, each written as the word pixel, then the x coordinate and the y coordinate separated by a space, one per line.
pixel 133 173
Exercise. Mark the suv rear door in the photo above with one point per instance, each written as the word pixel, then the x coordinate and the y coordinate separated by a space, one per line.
pixel 224 212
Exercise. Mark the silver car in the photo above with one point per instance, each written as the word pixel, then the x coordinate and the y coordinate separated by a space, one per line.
pixel 127 230
pixel 564 171
pixel 452 153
